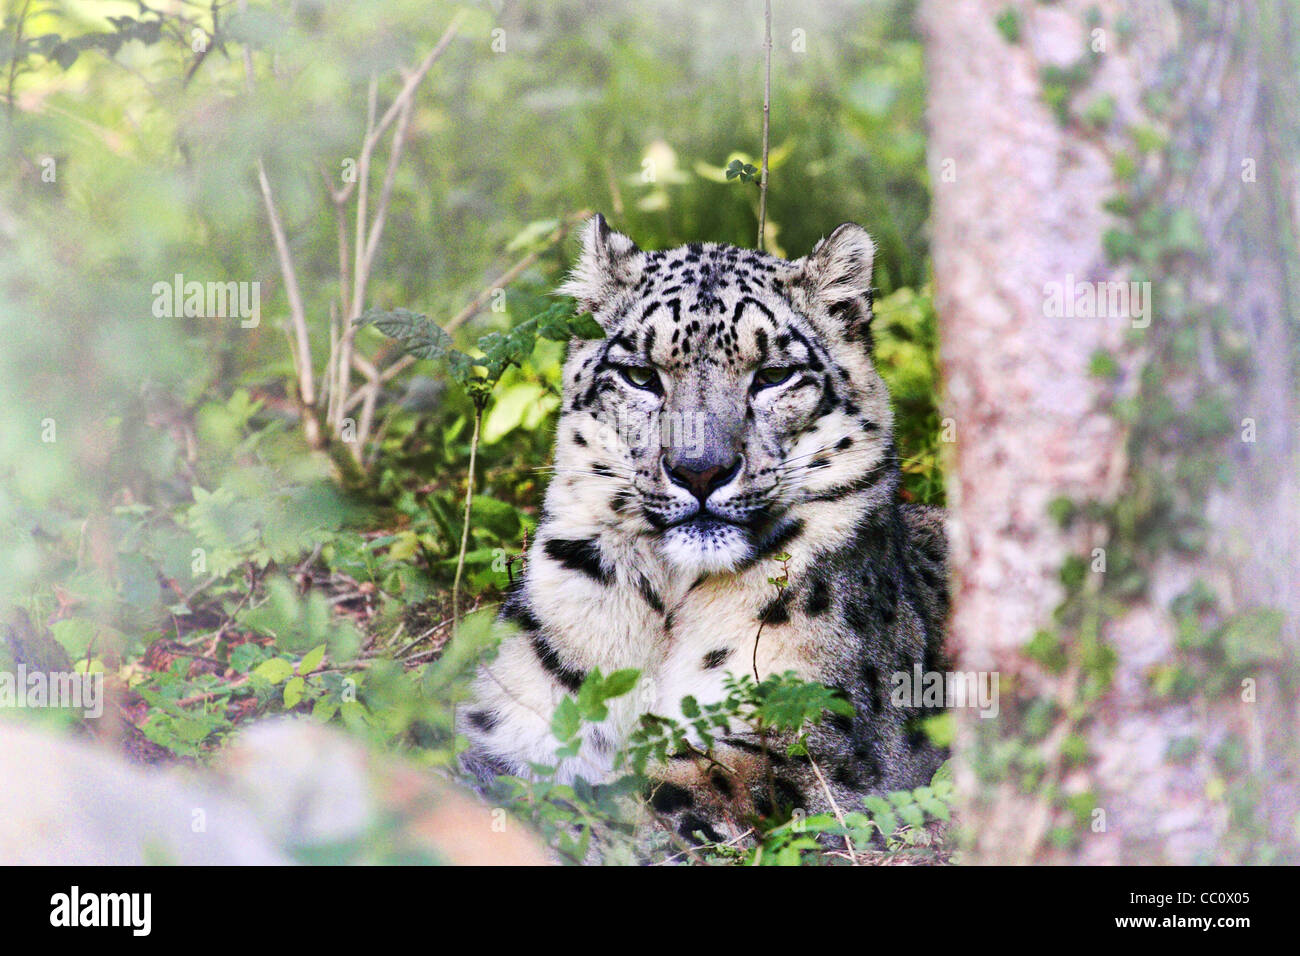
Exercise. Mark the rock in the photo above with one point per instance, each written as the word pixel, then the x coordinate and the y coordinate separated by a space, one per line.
pixel 286 791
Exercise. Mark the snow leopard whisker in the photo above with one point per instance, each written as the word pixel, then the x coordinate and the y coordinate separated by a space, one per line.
pixel 862 456
pixel 829 446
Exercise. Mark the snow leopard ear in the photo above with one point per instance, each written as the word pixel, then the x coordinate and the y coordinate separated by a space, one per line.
pixel 837 276
pixel 609 263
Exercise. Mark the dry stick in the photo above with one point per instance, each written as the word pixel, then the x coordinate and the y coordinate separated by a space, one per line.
pixel 367 233
pixel 732 842
pixel 839 815
pixel 464 531
pixel 370 395
pixel 767 112
pixel 365 260
pixel 686 849
pixel 327 379
pixel 359 275
pixel 300 345
pixel 757 635
pixel 298 314
pixel 339 311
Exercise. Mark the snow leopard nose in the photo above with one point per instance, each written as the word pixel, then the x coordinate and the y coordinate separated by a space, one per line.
pixel 700 476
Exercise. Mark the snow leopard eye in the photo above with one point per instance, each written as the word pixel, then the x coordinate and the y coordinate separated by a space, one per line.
pixel 774 375
pixel 641 376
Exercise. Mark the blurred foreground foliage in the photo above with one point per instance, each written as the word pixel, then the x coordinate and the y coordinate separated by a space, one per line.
pixel 163 512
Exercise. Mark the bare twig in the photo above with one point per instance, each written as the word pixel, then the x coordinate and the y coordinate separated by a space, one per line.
pixel 767 112
pixel 839 815
pixel 297 313
pixel 464 531
pixel 676 856
pixel 415 78
pixel 300 343
pixel 359 275
pixel 368 230
pixel 390 176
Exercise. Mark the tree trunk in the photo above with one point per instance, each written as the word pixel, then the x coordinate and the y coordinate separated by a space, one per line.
pixel 1123 481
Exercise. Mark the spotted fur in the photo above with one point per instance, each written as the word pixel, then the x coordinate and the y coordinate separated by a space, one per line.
pixel 672 492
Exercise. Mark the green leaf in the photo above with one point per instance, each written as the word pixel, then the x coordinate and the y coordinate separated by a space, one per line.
pixel 887 822
pixel 65 54
pixel 419 335
pixel 620 682
pixel 591 703
pixel 354 714
pixel 274 670
pixel 499 517
pixel 511 408
pixel 75 634
pixel 193 731
pixel 246 656
pixel 312 660
pixel 841 706
pixel 293 692
pixel 586 327
pixel 877 804
pixel 936 808
pixel 566 720
pixel 323 711
pixel 912 815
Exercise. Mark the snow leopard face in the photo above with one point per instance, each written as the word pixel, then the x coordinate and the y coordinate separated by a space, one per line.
pixel 731 388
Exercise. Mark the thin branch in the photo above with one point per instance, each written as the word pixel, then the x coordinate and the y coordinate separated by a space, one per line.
pixel 359 274
pixel 690 852
pixel 390 176
pixel 327 396
pixel 300 344
pixel 297 312
pixel 371 394
pixel 839 814
pixel 464 531
pixel 509 276
pixel 412 81
pixel 767 113
pixel 369 232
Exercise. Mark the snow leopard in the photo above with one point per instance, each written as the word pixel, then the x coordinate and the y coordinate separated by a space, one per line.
pixel 731 414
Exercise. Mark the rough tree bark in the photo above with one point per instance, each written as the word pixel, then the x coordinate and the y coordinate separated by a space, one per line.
pixel 1146 641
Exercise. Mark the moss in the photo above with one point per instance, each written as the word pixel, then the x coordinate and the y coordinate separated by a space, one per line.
pixel 1047 649
pixel 1008 24
pixel 1182 427
pixel 1100 112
